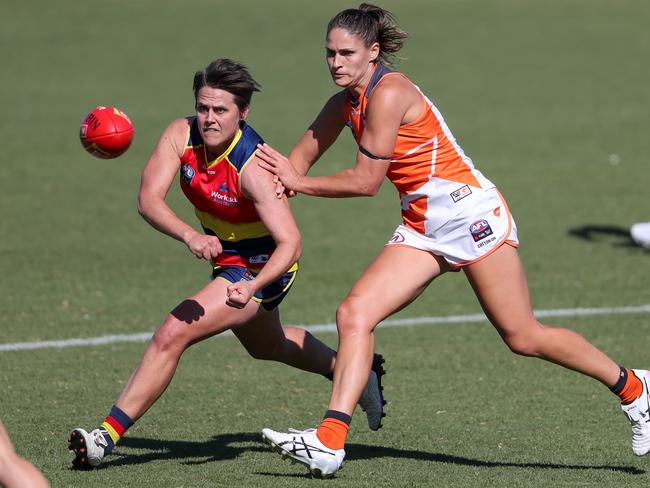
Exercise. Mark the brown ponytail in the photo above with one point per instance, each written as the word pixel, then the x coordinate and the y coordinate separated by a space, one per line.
pixel 372 24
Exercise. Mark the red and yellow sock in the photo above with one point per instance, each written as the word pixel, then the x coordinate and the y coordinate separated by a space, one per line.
pixel 115 425
pixel 334 428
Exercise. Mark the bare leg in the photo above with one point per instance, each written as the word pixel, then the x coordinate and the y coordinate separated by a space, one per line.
pixel 265 338
pixel 500 285
pixel 393 280
pixel 203 315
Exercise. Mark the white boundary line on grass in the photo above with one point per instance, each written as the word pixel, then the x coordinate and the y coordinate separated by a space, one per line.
pixel 451 319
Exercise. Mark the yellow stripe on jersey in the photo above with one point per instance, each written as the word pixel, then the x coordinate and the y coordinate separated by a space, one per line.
pixel 226 152
pixel 228 231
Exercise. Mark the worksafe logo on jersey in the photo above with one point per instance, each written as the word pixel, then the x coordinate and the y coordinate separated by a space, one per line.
pixel 480 230
pixel 222 197
pixel 461 193
pixel 187 174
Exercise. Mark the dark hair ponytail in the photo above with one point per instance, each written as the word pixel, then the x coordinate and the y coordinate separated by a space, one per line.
pixel 372 24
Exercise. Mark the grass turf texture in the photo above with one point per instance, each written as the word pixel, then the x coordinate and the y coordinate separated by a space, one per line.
pixel 549 99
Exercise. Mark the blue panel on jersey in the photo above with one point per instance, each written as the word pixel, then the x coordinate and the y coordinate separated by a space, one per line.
pixel 380 71
pixel 195 135
pixel 245 147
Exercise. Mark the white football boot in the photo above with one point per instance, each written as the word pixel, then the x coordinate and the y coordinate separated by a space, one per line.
pixel 638 413
pixel 372 398
pixel 640 234
pixel 305 448
pixel 89 448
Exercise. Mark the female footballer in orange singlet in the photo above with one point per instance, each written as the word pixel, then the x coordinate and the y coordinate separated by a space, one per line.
pixel 250 238
pixel 453 219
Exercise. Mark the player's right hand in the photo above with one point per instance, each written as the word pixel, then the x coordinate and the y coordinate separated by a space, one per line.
pixel 204 246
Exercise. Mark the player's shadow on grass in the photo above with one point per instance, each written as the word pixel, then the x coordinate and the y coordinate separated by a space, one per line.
pixel 230 446
pixel 619 236
pixel 361 451
pixel 220 448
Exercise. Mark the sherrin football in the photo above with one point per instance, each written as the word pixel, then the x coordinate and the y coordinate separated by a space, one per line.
pixel 106 132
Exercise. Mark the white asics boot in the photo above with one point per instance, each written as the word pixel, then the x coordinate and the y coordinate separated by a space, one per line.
pixel 638 413
pixel 372 398
pixel 89 448
pixel 305 448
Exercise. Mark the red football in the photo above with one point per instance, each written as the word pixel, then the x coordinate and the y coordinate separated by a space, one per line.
pixel 106 132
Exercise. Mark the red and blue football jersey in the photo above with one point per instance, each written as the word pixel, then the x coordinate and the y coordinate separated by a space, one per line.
pixel 214 188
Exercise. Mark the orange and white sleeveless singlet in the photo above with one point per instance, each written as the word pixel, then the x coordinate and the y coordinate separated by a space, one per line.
pixel 448 207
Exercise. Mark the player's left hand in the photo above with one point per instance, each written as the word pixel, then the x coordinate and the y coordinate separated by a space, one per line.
pixel 281 167
pixel 239 294
pixel 281 190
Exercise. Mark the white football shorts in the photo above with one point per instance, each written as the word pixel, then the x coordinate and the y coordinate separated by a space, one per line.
pixel 468 237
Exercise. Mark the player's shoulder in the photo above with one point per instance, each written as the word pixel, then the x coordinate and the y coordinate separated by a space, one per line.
pixel 393 83
pixel 394 90
pixel 245 147
pixel 178 129
pixel 177 134
pixel 180 124
pixel 250 137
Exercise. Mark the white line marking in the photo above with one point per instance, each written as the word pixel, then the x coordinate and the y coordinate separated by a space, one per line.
pixel 452 319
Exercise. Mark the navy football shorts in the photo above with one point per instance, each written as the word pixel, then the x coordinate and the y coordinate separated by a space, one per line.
pixel 269 296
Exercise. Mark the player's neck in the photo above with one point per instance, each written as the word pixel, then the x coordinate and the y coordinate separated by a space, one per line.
pixel 214 152
pixel 358 88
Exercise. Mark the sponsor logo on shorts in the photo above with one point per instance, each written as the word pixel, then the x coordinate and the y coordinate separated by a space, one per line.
pixel 480 230
pixel 461 193
pixel 187 174
pixel 485 243
pixel 397 238
pixel 259 259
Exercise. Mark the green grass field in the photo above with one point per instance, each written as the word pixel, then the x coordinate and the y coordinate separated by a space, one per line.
pixel 550 99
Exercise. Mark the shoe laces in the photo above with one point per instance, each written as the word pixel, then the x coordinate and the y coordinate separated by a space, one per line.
pixel 99 439
pixel 298 431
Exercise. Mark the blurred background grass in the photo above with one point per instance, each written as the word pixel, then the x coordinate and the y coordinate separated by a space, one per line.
pixel 550 99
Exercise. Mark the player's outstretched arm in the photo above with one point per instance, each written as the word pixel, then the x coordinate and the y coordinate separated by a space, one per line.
pixel 383 119
pixel 157 178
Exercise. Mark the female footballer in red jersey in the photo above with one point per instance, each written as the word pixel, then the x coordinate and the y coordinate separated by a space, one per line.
pixel 453 218
pixel 250 238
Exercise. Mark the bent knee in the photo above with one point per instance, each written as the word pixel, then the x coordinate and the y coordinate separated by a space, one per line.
pixel 352 318
pixel 525 344
pixel 170 336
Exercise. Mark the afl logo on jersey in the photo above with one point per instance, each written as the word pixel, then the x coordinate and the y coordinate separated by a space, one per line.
pixel 397 238
pixel 480 229
pixel 187 173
